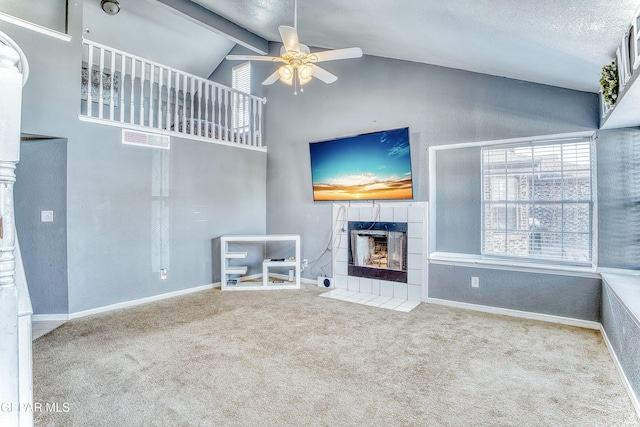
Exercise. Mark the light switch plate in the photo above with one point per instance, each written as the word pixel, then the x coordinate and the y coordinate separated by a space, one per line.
pixel 46 216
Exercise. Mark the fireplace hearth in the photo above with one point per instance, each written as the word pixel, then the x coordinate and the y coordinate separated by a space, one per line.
pixel 378 250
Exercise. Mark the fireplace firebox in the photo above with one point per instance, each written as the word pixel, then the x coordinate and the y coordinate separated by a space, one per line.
pixel 378 250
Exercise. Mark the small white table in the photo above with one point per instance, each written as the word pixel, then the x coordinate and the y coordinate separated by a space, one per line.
pixel 237 284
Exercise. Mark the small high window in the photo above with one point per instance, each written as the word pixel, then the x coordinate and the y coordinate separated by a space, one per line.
pixel 241 81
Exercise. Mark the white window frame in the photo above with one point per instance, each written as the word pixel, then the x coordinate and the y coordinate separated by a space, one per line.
pixel 531 202
pixel 507 264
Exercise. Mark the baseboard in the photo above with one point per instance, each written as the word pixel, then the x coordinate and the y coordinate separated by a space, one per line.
pixel 140 301
pixel 49 317
pixel 623 376
pixel 517 313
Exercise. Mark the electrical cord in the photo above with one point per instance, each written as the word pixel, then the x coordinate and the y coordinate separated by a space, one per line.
pixel 337 230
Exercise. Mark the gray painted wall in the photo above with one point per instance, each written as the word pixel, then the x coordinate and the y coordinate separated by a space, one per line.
pixel 458 201
pixel 623 332
pixel 41 184
pixel 110 189
pixel 564 296
pixel 618 154
pixel 618 157
pixel 440 105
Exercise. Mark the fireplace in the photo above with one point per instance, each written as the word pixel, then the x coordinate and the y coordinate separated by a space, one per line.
pixel 378 250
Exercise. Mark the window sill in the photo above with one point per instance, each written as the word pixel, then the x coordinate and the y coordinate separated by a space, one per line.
pixel 478 261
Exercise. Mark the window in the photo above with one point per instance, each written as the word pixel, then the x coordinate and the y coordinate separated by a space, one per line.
pixel 241 81
pixel 537 201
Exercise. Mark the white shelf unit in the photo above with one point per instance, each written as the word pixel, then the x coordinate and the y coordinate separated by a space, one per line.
pixel 267 282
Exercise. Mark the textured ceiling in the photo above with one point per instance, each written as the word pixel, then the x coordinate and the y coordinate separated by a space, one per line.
pixel 562 43
pixel 145 29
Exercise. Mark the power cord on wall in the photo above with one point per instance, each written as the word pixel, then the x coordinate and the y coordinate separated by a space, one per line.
pixel 338 229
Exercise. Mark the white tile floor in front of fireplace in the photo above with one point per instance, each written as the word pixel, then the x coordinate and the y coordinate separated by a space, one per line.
pixel 372 300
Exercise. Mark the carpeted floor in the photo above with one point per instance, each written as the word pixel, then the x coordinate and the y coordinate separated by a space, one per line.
pixel 290 358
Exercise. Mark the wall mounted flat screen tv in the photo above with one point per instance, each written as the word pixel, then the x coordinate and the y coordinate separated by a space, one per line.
pixel 371 166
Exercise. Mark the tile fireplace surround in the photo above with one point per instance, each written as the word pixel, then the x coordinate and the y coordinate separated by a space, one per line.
pixel 412 213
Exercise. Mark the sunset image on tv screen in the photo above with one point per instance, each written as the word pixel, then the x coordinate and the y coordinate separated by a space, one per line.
pixel 364 167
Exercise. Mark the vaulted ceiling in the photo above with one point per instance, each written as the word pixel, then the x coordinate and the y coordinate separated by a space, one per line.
pixel 559 43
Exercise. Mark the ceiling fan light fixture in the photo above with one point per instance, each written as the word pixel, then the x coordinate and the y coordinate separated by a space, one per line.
pixel 286 74
pixel 111 7
pixel 305 72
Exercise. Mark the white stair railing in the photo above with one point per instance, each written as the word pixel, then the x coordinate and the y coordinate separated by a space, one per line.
pixel 127 90
pixel 16 387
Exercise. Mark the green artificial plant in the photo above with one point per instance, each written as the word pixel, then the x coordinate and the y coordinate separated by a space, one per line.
pixel 609 83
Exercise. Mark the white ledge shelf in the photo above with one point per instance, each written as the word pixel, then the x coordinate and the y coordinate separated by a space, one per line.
pixel 625 112
pixel 627 289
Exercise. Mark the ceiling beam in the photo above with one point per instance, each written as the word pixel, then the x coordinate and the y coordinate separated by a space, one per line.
pixel 216 23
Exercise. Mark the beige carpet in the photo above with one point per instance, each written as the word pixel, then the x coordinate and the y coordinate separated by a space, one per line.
pixel 291 358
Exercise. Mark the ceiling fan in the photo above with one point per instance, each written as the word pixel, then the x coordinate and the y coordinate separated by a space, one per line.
pixel 298 63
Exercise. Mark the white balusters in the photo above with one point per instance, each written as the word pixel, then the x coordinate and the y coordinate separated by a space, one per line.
pixel 152 72
pixel 176 101
pixel 143 82
pixel 254 133
pixel 230 117
pixel 100 85
pixel 219 129
pixel 123 64
pixel 112 80
pixel 201 129
pixel 193 88
pixel 167 124
pixel 176 119
pixel 89 72
pixel 159 102
pixel 207 89
pixel 132 106
pixel 184 103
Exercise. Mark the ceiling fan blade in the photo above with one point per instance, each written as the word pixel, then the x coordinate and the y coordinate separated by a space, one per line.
pixel 253 58
pixel 289 38
pixel 271 79
pixel 332 55
pixel 324 75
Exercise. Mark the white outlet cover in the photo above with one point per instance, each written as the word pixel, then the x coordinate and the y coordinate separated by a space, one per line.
pixel 46 216
pixel 475 282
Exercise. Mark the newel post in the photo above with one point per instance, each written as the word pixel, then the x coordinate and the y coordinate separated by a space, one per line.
pixel 10 109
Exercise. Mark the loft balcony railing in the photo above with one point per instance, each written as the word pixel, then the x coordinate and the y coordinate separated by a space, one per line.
pixel 125 90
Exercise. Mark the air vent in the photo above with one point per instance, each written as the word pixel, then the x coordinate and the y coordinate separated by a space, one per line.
pixel 153 140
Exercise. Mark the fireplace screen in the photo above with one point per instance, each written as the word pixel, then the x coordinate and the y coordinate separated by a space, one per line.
pixel 378 250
